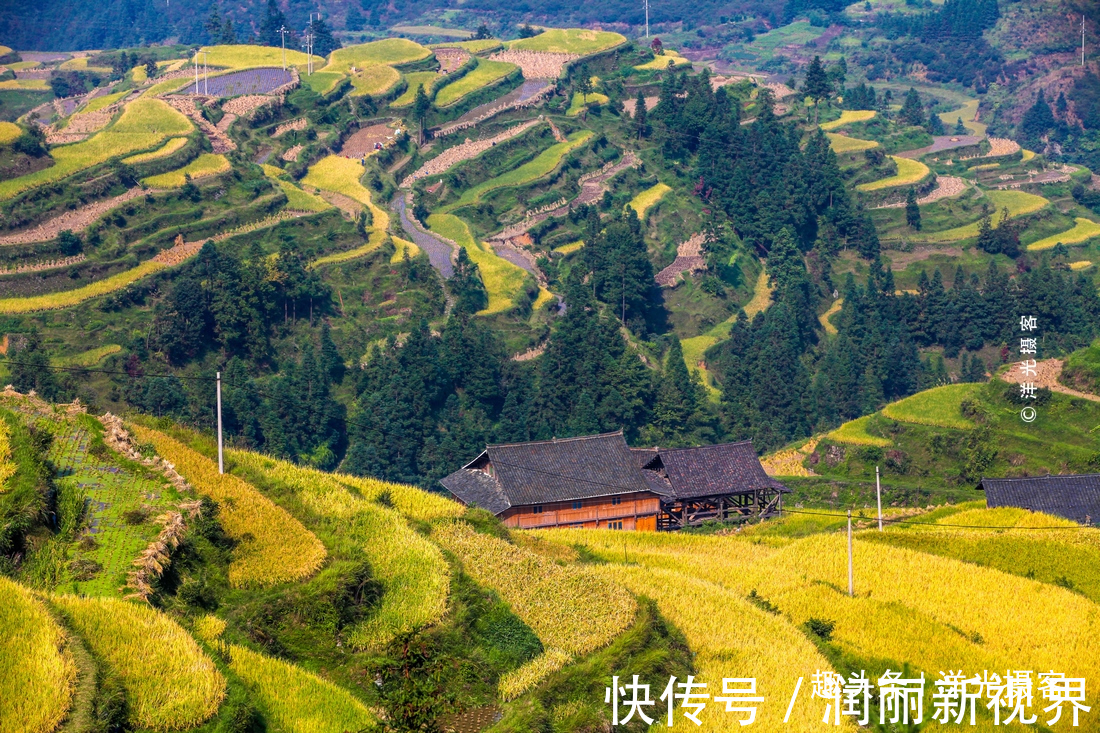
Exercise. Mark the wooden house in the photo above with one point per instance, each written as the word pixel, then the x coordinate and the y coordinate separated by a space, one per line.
pixel 1074 497
pixel 597 481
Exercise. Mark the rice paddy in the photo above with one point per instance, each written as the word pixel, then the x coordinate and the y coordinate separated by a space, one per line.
pixel 570 40
pixel 647 199
pixel 416 79
pixel 374 80
pixel 299 200
pixel 503 280
pixel 143 124
pixel 37 674
pixel 939 406
pixel 299 701
pixel 173 145
pixel 665 60
pixel 105 100
pixel 1018 203
pixel 69 298
pixel 341 175
pixel 845 144
pixel 484 74
pixel 479 46
pixel 1083 230
pixel 244 56
pixel 847 117
pixel 854 432
pixel 9 132
pixel 170 684
pixel 322 82
pixel 26 84
pixel 910 172
pixel 273 547
pixel 580 102
pixel 387 52
pixel 204 166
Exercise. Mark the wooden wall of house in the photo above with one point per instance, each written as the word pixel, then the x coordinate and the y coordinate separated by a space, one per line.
pixel 637 511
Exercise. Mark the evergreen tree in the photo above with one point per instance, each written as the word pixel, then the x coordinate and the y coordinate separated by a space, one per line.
pixel 272 22
pixel 324 42
pixel 421 106
pixel 817 85
pixel 912 111
pixel 935 124
pixel 227 35
pixel 1036 122
pixel 622 274
pixel 353 21
pixel 960 128
pixel 466 286
pixel 331 361
pixel 30 369
pixel 912 210
pixel 483 33
pixel 641 123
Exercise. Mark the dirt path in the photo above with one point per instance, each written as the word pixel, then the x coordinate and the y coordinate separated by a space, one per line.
pixel 76 221
pixel 1046 375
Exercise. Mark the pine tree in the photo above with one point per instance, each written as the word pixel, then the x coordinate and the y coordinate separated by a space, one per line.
pixel 331 360
pixel 960 128
pixel 421 106
pixel 324 42
pixel 641 122
pixel 912 111
pixel 1036 122
pixel 935 124
pixel 30 369
pixel 272 22
pixel 912 209
pixel 817 85
pixel 228 35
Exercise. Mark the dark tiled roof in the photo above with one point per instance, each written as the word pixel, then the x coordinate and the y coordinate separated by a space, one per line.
pixel 1072 497
pixel 473 487
pixel 642 456
pixel 561 470
pixel 711 470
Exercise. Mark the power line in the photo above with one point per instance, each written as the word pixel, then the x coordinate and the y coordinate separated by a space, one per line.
pixel 935 524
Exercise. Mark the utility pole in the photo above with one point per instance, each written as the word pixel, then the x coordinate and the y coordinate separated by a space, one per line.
pixel 878 492
pixel 647 18
pixel 851 583
pixel 221 461
pixel 196 60
pixel 1082 39
pixel 282 32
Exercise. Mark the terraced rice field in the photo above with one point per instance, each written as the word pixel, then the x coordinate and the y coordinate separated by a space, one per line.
pixel 243 56
pixel 847 117
pixel 845 144
pixel 485 44
pixel 173 145
pixel 968 113
pixel 322 82
pixel 27 84
pixel 341 176
pixel 387 52
pixel 910 172
pixel 170 684
pixel 415 79
pixel 144 124
pixel 374 80
pixel 261 80
pixel 484 74
pixel 204 166
pixel 105 100
pixel 854 432
pixel 68 298
pixel 1083 230
pixel 644 201
pixel 38 673
pixel 413 573
pixel 299 701
pixel 572 609
pixel 503 280
pixel 939 406
pixel 273 547
pixel 9 132
pixel 299 200
pixel 570 40
pixel 580 102
pixel 668 58
pixel 1018 203
pixel 88 358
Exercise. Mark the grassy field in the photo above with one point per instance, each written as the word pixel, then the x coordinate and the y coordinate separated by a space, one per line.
pixel 298 701
pixel 143 124
pixel 580 102
pixel 644 201
pixel 570 40
pixel 322 82
pixel 243 56
pixel 415 79
pixel 374 80
pixel 1084 230
pixel 938 406
pixel 273 546
pixel 1018 203
pixel 413 573
pixel 299 200
pixel 69 298
pixel 663 61
pixel 173 144
pixel 204 166
pixel 389 51
pixel 432 30
pixel 847 117
pixel 80 63
pixel 485 73
pixel 967 113
pixel 541 165
pixel 845 144
pixel 9 132
pixel 88 358
pixel 503 280
pixel 854 432
pixel 34 84
pixel 36 684
pixel 170 684
pixel 909 172
pixel 1080 265
pixel 572 609
pixel 568 249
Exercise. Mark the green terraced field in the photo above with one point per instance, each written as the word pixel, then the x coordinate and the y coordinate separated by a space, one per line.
pixel 374 80
pixel 648 198
pixel 579 102
pixel 847 117
pixel 1083 230
pixel 570 40
pixel 244 56
pixel 389 51
pixel 503 280
pixel 939 406
pixel 204 166
pixel 909 173
pixel 322 82
pixel 1018 203
pixel 485 73
pixel 415 79
pixel 845 144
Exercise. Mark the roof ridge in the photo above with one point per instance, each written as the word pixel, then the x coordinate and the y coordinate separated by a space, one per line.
pixel 704 447
pixel 1033 478
pixel 554 440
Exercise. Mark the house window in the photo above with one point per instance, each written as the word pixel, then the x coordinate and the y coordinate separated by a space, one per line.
pixel 615 525
pixel 576 505
pixel 536 509
pixel 616 500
